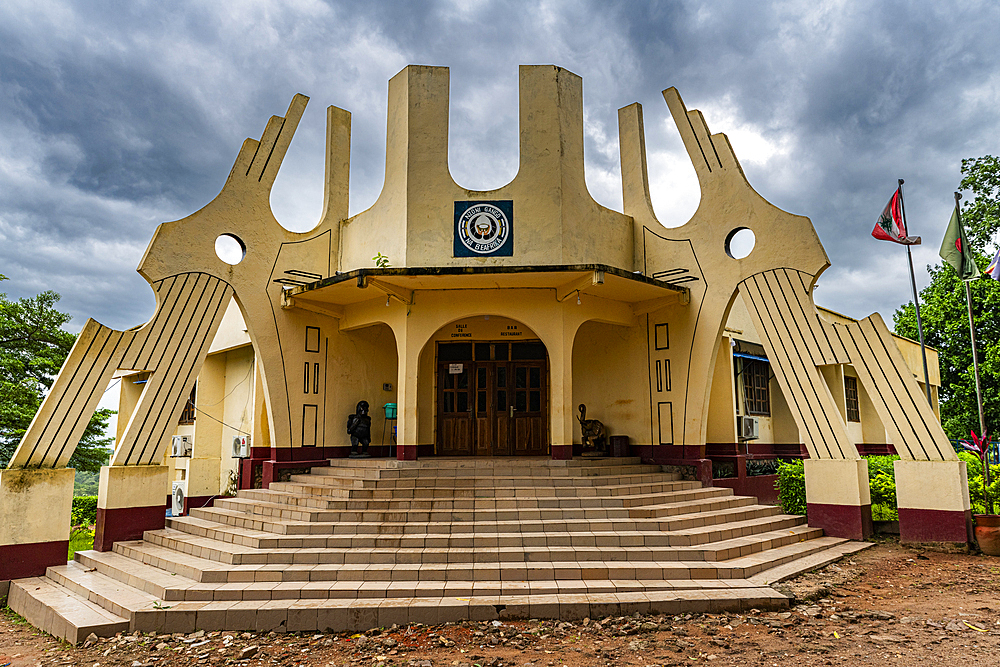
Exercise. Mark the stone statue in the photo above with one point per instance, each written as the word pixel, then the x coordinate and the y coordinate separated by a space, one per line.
pixel 359 426
pixel 592 430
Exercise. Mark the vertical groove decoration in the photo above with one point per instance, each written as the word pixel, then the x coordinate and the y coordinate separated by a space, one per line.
pixel 795 338
pixel 903 408
pixel 172 346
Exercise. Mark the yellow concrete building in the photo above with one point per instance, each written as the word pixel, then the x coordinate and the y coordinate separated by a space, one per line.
pixel 498 315
pixel 749 419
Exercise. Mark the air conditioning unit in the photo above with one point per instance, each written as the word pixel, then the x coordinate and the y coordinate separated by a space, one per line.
pixel 241 447
pixel 177 495
pixel 180 445
pixel 749 428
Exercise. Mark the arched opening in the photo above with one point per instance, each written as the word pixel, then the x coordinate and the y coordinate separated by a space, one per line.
pixel 485 380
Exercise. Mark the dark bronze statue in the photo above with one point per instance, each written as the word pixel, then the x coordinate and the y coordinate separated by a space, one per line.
pixel 359 426
pixel 594 436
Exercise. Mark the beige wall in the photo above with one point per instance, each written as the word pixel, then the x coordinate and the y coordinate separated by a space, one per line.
pixel 361 361
pixel 722 403
pixel 556 221
pixel 609 377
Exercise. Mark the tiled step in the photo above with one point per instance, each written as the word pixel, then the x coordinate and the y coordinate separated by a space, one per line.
pixel 524 507
pixel 203 560
pixel 473 478
pixel 174 588
pixel 258 505
pixel 837 549
pixel 60 612
pixel 348 469
pixel 679 531
pixel 616 496
pixel 230 515
pixel 368 542
pixel 158 582
pixel 498 463
pixel 206 538
pixel 110 594
pixel 339 615
pixel 329 486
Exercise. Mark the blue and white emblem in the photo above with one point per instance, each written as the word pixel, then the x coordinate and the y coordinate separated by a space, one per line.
pixel 484 229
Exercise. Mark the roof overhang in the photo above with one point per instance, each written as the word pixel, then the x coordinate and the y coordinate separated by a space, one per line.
pixel 642 293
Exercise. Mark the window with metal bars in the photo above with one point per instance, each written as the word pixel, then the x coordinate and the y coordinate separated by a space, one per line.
pixel 187 415
pixel 851 393
pixel 756 378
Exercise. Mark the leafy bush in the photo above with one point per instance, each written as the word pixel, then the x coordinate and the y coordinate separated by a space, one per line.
pixel 84 511
pixel 974 468
pixel 881 476
pixel 791 485
pixel 81 539
pixel 757 467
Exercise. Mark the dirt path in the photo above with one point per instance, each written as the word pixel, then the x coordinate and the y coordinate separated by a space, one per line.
pixel 885 606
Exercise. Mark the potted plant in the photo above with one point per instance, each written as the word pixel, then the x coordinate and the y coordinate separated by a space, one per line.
pixel 987 525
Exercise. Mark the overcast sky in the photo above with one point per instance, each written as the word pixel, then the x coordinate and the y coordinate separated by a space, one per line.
pixel 115 117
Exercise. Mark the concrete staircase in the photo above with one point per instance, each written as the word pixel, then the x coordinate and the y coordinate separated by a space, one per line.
pixel 366 543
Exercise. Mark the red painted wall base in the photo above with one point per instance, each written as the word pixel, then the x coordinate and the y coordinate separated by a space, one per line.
pixel 759 486
pixel 406 452
pixel 126 523
pixel 30 560
pixel 562 452
pixel 851 521
pixel 919 525
pixel 198 502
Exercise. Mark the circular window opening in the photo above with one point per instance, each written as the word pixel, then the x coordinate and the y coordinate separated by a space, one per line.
pixel 740 243
pixel 230 249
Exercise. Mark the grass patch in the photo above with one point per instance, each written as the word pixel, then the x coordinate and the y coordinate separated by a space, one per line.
pixel 14 617
pixel 81 539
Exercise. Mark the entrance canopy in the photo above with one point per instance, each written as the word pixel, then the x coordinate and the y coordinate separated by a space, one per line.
pixel 595 279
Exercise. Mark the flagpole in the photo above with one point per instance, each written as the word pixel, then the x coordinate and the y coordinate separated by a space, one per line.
pixel 975 363
pixel 916 300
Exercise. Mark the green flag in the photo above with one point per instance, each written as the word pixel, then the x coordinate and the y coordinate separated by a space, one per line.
pixel 956 251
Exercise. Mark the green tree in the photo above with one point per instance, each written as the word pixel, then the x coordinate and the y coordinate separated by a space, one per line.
pixel 945 315
pixel 33 346
pixel 981 212
pixel 946 328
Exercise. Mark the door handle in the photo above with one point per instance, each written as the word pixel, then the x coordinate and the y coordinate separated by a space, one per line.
pixel 512 411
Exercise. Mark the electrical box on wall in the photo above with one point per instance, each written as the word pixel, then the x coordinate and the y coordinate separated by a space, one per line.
pixel 241 447
pixel 179 492
pixel 180 446
pixel 386 386
pixel 749 428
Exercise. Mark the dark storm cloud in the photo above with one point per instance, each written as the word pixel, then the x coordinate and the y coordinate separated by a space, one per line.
pixel 116 117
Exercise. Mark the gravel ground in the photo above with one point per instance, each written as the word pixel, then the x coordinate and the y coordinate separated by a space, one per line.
pixel 886 605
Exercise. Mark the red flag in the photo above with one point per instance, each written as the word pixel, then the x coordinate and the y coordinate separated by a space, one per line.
pixel 890 225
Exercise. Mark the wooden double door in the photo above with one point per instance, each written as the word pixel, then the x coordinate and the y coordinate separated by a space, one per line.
pixel 492 406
